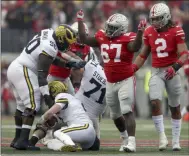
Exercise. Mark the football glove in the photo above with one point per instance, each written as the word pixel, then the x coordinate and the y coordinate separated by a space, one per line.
pixel 48 100
pixel 142 25
pixel 169 73
pixel 80 15
pixel 134 67
pixel 76 65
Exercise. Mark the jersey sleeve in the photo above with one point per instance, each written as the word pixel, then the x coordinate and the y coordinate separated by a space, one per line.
pixel 48 45
pixel 99 36
pixel 61 101
pixel 145 37
pixel 132 36
pixel 180 35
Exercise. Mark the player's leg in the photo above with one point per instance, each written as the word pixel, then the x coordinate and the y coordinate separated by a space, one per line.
pixel 96 126
pixel 156 86
pixel 173 87
pixel 17 118
pixel 12 78
pixel 126 96
pixel 115 111
pixel 28 89
pixel 82 134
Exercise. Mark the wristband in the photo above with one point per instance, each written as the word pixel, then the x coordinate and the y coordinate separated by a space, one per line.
pixel 176 66
pixel 44 90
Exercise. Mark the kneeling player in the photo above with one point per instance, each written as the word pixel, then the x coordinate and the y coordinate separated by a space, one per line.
pixel 79 128
pixel 92 92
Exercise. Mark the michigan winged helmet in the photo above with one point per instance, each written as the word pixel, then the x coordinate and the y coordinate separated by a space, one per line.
pixel 64 37
pixel 56 87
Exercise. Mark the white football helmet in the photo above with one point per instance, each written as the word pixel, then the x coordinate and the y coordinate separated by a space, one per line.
pixel 159 15
pixel 74 26
pixel 116 25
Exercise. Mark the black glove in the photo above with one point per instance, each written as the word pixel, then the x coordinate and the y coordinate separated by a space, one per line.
pixel 48 100
pixel 76 65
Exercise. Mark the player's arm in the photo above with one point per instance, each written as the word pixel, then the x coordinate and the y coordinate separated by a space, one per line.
pixel 44 63
pixel 135 45
pixel 182 52
pixel 141 58
pixel 90 41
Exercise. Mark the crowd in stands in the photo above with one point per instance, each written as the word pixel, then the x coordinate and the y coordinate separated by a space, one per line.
pixel 40 14
pixel 36 15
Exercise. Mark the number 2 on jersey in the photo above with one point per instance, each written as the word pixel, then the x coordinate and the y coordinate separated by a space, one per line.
pixel 163 46
pixel 95 89
pixel 108 47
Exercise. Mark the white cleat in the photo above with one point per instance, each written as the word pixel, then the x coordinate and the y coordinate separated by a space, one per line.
pixel 124 143
pixel 131 146
pixel 163 142
pixel 176 146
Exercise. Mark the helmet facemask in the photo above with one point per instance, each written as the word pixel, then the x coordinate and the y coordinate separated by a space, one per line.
pixel 159 21
pixel 116 25
pixel 112 31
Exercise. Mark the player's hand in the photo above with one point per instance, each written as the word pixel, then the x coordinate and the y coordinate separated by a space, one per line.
pixel 76 65
pixel 80 15
pixel 169 73
pixel 142 25
pixel 134 67
pixel 48 100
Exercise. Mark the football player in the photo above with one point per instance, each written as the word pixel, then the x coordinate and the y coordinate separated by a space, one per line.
pixel 117 47
pixel 165 41
pixel 79 129
pixel 78 51
pixel 185 109
pixel 92 92
pixel 28 73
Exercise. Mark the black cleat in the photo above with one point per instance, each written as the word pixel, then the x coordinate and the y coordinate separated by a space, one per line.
pixel 32 148
pixel 13 142
pixel 21 144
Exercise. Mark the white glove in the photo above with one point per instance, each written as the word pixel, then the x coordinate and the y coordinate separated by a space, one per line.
pixel 80 15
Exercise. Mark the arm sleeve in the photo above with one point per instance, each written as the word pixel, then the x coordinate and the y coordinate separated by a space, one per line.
pixel 61 101
pixel 180 35
pixel 49 47
pixel 145 38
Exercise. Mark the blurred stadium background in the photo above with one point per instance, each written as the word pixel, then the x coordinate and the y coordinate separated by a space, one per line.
pixel 21 19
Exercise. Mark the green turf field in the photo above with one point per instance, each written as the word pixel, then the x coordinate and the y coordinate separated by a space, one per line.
pixel 147 143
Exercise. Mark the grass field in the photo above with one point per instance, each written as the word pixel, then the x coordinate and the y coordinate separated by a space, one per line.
pixel 146 137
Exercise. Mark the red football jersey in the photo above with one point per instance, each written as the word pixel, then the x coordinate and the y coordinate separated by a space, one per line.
pixel 81 51
pixel 163 45
pixel 117 59
pixel 59 71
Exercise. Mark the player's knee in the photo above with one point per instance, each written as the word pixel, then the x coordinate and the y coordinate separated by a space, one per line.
pixel 96 145
pixel 175 111
pixel 28 112
pixel 114 116
pixel 18 113
pixel 155 105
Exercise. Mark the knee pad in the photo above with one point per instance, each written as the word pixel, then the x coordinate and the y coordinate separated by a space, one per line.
pixel 18 113
pixel 155 105
pixel 28 112
pixel 96 145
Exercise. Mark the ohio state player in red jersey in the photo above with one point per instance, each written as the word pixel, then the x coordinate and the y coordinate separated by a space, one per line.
pixel 117 48
pixel 77 51
pixel 165 41
pixel 186 71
